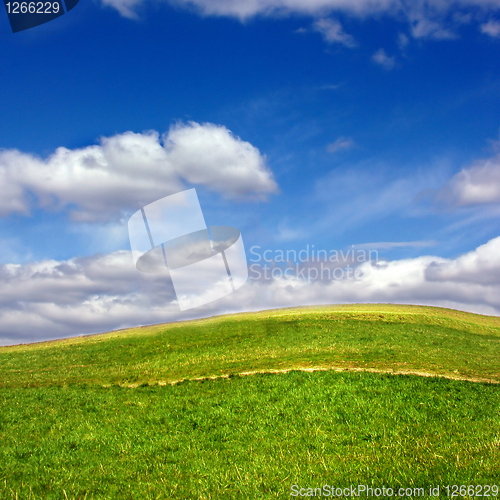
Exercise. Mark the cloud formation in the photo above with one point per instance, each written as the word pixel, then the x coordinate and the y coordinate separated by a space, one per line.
pixel 389 245
pixel 53 299
pixel 332 32
pixel 478 184
pixel 129 170
pixel 425 18
pixel 244 9
pixel 340 144
pixel 491 28
pixel 381 58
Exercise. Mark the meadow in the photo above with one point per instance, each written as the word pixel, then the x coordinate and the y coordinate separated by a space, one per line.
pixel 248 405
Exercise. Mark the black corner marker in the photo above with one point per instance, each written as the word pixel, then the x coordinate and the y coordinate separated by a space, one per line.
pixel 70 4
pixel 25 14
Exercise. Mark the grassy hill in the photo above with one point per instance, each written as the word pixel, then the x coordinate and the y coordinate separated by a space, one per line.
pixel 335 399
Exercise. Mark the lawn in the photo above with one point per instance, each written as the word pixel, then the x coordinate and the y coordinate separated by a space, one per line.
pixel 379 337
pixel 106 416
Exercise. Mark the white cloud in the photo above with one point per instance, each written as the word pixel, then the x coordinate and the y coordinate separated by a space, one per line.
pixel 332 32
pixel 480 267
pixel 403 41
pixel 243 9
pixel 470 282
pixel 436 19
pixel 51 299
pixel 127 171
pixel 423 26
pixel 491 28
pixel 80 295
pixel 340 144
pixel 210 155
pixel 380 57
pixel 476 185
pixel 389 245
pixel 127 8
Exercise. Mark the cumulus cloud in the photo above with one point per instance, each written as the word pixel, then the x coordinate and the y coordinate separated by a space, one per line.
pixel 129 170
pixel 210 155
pixel 340 144
pixel 476 185
pixel 480 267
pixel 332 32
pixel 380 57
pixel 491 28
pixel 53 299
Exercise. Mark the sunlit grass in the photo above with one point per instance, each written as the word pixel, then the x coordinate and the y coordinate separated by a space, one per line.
pixel 247 437
pixel 382 337
pixel 72 426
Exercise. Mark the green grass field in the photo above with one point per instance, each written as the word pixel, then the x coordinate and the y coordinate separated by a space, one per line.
pixel 167 411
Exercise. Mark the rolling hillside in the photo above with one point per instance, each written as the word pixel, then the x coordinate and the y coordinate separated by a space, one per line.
pixel 401 396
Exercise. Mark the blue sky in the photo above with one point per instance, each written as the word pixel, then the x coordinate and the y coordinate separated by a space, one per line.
pixel 370 122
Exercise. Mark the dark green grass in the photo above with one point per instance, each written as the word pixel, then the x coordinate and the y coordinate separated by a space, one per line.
pixel 381 337
pixel 247 437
